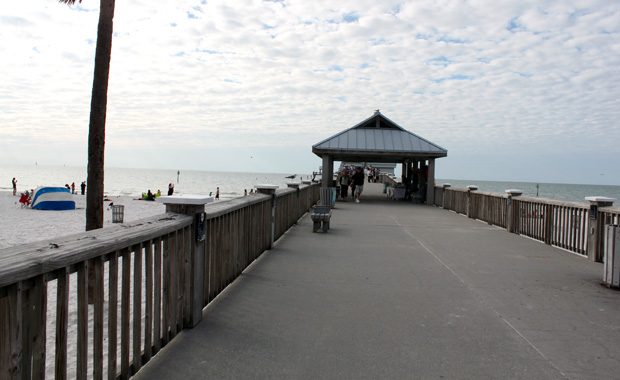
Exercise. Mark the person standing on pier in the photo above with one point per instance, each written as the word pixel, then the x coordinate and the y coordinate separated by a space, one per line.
pixel 358 183
pixel 344 184
pixel 83 186
pixel 170 188
pixel 217 194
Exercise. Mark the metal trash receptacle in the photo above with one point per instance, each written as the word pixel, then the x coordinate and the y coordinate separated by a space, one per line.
pixel 118 213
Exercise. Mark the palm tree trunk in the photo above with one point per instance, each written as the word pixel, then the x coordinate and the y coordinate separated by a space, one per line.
pixel 98 106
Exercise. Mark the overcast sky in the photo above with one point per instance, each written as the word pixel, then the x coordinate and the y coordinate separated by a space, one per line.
pixel 514 90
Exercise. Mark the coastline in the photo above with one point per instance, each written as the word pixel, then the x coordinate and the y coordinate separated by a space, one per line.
pixel 25 225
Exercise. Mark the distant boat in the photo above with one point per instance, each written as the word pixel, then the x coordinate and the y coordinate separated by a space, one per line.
pixel 291 176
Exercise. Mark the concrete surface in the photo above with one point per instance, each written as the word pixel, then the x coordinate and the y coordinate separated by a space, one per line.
pixel 403 291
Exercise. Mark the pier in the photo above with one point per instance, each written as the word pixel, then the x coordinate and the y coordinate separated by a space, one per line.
pixel 393 290
pixel 397 290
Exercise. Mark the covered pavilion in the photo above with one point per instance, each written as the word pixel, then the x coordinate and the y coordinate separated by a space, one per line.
pixel 379 139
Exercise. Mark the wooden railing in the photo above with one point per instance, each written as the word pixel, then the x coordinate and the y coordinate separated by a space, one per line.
pixel 488 207
pixel 100 304
pixel 562 224
pixel 558 223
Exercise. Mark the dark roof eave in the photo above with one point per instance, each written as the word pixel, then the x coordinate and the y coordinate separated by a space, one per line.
pixel 370 153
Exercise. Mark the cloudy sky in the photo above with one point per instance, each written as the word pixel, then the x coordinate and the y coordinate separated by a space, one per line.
pixel 515 90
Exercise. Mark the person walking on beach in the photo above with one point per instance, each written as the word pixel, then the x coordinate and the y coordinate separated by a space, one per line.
pixel 358 183
pixel 83 186
pixel 14 186
pixel 73 188
pixel 217 194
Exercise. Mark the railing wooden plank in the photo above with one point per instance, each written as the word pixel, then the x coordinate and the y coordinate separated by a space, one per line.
pixel 125 312
pixel 187 287
pixel 39 327
pixel 26 355
pixel 137 308
pixel 157 296
pixel 98 319
pixel 148 303
pixel 166 293
pixel 10 333
pixel 82 312
pixel 112 315
pixel 62 312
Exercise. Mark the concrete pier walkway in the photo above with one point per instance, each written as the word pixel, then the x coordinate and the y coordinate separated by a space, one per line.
pixel 403 291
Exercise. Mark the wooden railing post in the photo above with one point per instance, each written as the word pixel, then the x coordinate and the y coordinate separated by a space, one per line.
pixel 295 185
pixel 270 190
pixel 309 198
pixel 443 199
pixel 193 205
pixel 548 215
pixel 595 227
pixel 511 214
pixel 470 188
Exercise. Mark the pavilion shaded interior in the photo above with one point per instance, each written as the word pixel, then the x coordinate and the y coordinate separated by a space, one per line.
pixel 379 139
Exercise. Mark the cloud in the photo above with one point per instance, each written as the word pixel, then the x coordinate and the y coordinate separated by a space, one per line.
pixel 508 78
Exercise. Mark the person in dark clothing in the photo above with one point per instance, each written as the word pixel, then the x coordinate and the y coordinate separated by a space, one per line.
pixel 170 189
pixel 83 186
pixel 358 183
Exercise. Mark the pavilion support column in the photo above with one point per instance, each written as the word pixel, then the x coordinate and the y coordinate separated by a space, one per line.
pixel 328 171
pixel 430 185
pixel 403 174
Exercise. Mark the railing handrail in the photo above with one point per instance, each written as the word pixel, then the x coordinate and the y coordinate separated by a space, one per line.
pixel 217 209
pixel 23 262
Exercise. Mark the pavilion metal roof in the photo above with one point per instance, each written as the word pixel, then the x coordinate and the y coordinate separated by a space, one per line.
pixel 377 139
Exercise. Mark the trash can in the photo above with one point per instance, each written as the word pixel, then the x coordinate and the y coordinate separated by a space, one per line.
pixel 118 213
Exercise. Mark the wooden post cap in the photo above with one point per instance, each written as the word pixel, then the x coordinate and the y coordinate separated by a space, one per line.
pixel 447 185
pixel 266 189
pixel 472 187
pixel 514 192
pixel 293 184
pixel 185 199
pixel 601 201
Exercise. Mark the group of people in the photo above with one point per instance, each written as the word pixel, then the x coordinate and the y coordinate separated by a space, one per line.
pixel 70 188
pixel 351 178
pixel 26 198
pixel 150 196
pixel 373 174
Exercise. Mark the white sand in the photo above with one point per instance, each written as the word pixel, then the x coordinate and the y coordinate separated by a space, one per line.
pixel 24 225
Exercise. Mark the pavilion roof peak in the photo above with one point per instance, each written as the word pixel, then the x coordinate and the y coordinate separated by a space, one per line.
pixel 379 137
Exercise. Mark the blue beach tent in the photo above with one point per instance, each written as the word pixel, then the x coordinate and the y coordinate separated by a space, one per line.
pixel 52 198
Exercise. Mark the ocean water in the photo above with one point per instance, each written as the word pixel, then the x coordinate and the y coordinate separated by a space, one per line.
pixel 134 182
pixel 559 191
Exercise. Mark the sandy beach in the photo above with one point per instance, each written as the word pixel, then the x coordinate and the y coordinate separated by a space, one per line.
pixel 24 225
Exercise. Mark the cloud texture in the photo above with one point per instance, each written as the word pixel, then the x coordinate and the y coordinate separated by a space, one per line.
pixel 510 88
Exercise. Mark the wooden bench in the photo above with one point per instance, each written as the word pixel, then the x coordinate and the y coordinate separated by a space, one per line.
pixel 320 214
